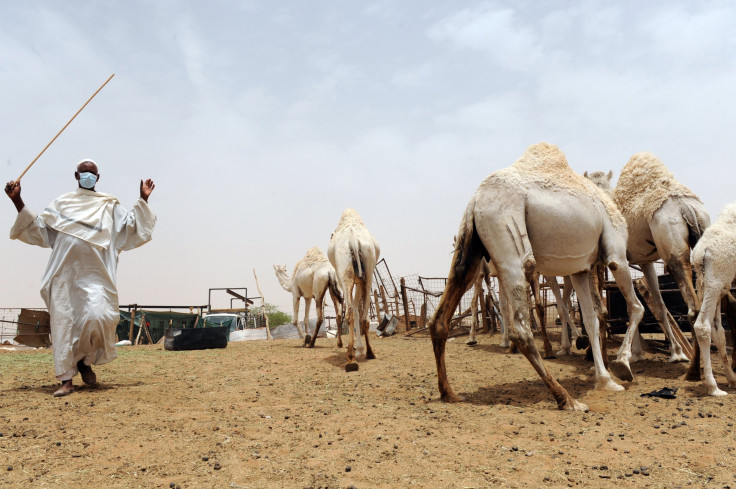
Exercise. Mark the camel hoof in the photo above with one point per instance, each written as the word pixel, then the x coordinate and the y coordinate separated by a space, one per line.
pixel 582 342
pixel 307 339
pixel 576 405
pixel 716 392
pixel 451 398
pixel 471 342
pixel 608 385
pixel 549 356
pixel 504 344
pixel 678 358
pixel 370 356
pixel 351 367
pixel 563 352
pixel 621 370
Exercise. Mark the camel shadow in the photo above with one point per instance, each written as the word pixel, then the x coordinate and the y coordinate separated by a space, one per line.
pixel 524 393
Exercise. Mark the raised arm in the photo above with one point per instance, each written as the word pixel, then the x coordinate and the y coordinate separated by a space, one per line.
pixel 13 190
pixel 147 187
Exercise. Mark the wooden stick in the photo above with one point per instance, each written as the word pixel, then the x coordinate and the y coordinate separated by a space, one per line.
pixel 62 129
pixel 641 286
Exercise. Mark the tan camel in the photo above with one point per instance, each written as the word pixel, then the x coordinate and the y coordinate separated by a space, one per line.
pixel 354 254
pixel 313 276
pixel 714 258
pixel 538 215
pixel 664 219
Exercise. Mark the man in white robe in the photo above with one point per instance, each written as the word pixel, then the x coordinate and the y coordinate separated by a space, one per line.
pixel 86 231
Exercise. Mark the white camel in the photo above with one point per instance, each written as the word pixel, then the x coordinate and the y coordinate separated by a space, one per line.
pixel 313 276
pixel 539 215
pixel 714 258
pixel 354 252
pixel 664 219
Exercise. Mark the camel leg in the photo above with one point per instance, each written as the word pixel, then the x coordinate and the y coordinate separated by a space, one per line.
pixel 364 308
pixel 520 333
pixel 564 314
pixel 336 301
pixel 505 313
pixel 307 306
pixel 601 312
pixel 354 318
pixel 719 339
pixel 728 303
pixel 582 283
pixel 680 268
pixel 620 270
pixel 650 275
pixel 463 270
pixel 477 293
pixel 319 304
pixel 540 313
pixel 703 328
pixel 295 300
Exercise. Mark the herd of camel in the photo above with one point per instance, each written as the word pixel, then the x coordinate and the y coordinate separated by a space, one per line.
pixel 539 217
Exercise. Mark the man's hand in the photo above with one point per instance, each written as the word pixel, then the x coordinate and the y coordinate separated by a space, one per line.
pixel 13 190
pixel 147 187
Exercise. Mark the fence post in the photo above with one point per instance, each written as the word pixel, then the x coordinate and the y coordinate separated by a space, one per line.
pixel 383 298
pixel 132 323
pixel 406 304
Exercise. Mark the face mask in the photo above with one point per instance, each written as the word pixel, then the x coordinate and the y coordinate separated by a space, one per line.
pixel 87 180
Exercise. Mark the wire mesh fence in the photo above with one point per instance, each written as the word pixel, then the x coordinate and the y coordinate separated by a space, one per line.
pixel 9 322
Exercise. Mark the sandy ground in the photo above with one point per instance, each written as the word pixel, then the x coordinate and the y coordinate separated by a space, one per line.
pixel 273 414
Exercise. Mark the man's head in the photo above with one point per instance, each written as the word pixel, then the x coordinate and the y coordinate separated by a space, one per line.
pixel 86 174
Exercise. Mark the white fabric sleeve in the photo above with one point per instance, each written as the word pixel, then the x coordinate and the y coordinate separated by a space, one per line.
pixel 30 228
pixel 134 228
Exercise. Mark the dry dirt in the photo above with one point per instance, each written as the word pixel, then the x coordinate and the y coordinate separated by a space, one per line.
pixel 273 414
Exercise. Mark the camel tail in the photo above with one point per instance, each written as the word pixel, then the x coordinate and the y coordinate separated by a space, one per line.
pixel 334 289
pixel 700 276
pixel 357 257
pixel 468 244
pixel 696 223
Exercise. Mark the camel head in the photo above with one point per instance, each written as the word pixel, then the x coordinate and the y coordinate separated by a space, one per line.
pixel 601 179
pixel 283 276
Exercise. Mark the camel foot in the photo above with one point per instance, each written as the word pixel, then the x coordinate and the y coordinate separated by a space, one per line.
pixel 66 388
pixel 589 355
pixel 351 367
pixel 563 352
pixel 678 358
pixel 505 344
pixel 582 342
pixel 621 369
pixel 451 398
pixel 369 355
pixel 575 405
pixel 715 391
pixel 549 356
pixel 636 357
pixel 471 342
pixel 608 385
pixel 307 340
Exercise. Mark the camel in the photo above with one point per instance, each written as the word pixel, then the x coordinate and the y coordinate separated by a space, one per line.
pixel 354 252
pixel 538 215
pixel 714 258
pixel 664 219
pixel 313 276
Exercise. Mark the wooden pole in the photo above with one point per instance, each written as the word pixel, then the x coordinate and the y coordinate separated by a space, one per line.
pixel 383 298
pixel 62 129
pixel 405 300
pixel 641 286
pixel 375 303
pixel 132 324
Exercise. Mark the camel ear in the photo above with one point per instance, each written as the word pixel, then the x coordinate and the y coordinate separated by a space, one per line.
pixel 585 173
pixel 610 175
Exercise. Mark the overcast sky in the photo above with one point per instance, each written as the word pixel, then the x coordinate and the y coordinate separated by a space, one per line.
pixel 261 121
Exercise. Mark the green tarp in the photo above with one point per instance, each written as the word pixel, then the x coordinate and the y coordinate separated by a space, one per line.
pixel 157 323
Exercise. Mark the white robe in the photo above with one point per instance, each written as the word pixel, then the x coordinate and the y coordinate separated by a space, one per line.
pixel 79 285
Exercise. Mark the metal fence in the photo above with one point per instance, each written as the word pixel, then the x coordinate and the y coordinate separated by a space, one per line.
pixel 9 323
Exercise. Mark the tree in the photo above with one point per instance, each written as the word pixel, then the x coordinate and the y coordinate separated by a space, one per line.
pixel 275 316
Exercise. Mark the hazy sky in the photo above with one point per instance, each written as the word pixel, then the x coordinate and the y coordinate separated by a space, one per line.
pixel 261 121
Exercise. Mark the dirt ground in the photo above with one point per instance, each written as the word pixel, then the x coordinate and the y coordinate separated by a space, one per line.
pixel 273 414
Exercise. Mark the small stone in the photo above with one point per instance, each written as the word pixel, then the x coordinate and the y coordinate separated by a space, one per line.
pixel 348 468
pixel 205 458
pixel 172 485
pixel 217 466
pixel 10 468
